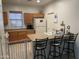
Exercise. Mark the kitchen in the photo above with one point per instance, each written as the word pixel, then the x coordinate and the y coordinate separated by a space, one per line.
pixel 53 14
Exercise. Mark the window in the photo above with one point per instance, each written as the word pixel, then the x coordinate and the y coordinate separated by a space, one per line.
pixel 16 19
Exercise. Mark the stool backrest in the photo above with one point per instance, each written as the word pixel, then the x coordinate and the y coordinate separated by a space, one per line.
pixel 66 37
pixel 56 40
pixel 41 43
pixel 73 37
pixel 70 37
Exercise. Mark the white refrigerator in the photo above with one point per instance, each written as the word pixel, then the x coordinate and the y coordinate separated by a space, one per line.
pixel 40 25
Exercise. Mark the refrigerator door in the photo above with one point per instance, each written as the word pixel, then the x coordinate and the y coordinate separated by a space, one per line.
pixel 40 29
pixel 39 22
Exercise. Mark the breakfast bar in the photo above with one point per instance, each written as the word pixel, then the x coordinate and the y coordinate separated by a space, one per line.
pixel 32 37
pixel 40 36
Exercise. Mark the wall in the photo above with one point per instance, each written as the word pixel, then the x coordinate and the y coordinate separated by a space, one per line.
pixel 23 8
pixel 66 10
pixel 3 53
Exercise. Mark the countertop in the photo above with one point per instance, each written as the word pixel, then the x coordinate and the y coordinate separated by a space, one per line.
pixel 32 37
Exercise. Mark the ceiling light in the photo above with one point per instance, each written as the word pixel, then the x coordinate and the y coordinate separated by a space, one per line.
pixel 38 1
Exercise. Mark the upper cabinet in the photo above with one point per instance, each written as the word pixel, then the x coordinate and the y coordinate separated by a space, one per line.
pixel 5 18
pixel 28 17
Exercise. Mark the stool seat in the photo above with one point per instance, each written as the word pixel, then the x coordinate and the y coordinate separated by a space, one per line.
pixel 56 44
pixel 40 48
pixel 70 41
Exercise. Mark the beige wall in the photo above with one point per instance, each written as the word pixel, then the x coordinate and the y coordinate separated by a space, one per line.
pixel 67 10
pixel 23 8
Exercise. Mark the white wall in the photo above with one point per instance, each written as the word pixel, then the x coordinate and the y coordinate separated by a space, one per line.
pixel 23 8
pixel 3 44
pixel 68 11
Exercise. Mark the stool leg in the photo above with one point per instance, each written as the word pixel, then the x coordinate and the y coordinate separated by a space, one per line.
pixel 54 53
pixel 63 47
pixel 49 52
pixel 41 54
pixel 44 54
pixel 48 55
pixel 74 54
pixel 37 54
pixel 68 49
pixel 60 54
pixel 73 51
pixel 34 55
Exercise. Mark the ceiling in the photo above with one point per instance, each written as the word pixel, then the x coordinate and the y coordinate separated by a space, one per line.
pixel 27 2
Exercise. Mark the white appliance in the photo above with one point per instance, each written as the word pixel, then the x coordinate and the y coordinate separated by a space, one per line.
pixel 40 25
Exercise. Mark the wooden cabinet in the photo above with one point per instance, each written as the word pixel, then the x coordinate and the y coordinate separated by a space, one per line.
pixel 28 17
pixel 13 36
pixel 22 35
pixel 16 35
pixel 5 18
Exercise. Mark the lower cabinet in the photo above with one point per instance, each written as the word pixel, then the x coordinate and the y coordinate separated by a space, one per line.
pixel 13 36
pixel 17 35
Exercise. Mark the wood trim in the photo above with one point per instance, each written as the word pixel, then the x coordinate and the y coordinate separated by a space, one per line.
pixel 19 41
pixel 15 11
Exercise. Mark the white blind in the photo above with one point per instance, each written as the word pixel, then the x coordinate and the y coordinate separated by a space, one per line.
pixel 16 19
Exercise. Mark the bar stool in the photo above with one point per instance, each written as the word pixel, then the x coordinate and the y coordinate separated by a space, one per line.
pixel 70 42
pixel 55 43
pixel 40 47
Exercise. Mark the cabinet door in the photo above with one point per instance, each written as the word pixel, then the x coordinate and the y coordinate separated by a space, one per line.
pixel 13 36
pixel 5 18
pixel 28 18
pixel 21 35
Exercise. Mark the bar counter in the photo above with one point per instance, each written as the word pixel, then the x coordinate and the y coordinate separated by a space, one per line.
pixel 32 37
